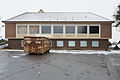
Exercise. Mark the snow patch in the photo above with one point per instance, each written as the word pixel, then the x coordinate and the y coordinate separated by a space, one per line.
pixel 15 56
pixel 118 45
pixel 72 52
pixel 3 46
pixel 11 50
pixel 86 52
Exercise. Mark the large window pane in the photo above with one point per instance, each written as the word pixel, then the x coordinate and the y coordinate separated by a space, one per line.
pixel 58 29
pixel 22 29
pixel 95 43
pixel 34 29
pixel 71 43
pixel 82 29
pixel 46 29
pixel 59 43
pixel 94 29
pixel 70 29
pixel 83 43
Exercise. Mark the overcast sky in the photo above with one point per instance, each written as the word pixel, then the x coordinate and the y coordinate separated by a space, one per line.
pixel 105 8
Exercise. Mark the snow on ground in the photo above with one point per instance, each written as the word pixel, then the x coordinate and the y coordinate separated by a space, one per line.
pixel 86 51
pixel 76 51
pixel 11 50
pixel 5 45
pixel 118 45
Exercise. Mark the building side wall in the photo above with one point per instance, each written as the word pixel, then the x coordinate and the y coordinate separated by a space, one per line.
pixel 103 44
pixel 106 30
pixel 10 30
pixel 14 44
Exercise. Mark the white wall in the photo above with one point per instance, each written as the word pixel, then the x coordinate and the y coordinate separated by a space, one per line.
pixel 2 31
pixel 115 35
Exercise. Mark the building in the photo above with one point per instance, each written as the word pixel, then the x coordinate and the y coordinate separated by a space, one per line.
pixel 66 30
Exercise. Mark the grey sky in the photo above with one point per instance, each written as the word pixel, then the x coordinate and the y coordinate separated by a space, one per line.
pixel 10 8
pixel 106 8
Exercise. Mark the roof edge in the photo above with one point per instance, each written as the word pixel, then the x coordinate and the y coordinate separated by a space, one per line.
pixel 15 16
pixel 54 21
pixel 100 16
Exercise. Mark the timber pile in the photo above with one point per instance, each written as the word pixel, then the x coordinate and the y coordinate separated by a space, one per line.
pixel 38 45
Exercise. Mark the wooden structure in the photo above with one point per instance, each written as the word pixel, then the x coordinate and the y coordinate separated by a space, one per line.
pixel 38 45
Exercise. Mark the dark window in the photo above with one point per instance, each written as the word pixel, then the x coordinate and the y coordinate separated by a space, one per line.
pixel 94 29
pixel 82 29
pixel 46 29
pixel 58 29
pixel 70 29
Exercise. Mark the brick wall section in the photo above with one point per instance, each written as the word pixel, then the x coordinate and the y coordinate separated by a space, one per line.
pixel 106 30
pixel 10 30
pixel 14 44
pixel 103 44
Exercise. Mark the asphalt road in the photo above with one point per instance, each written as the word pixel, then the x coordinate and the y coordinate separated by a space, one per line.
pixel 21 66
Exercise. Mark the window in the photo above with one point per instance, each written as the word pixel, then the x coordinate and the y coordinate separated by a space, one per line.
pixel 50 43
pixel 34 29
pixel 70 29
pixel 82 29
pixel 22 29
pixel 46 29
pixel 59 43
pixel 83 43
pixel 58 29
pixel 94 29
pixel 71 43
pixel 95 43
pixel 22 43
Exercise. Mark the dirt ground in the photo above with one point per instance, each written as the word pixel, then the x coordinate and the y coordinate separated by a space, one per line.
pixel 51 66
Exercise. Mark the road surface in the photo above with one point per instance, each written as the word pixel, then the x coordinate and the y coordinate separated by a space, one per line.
pixel 20 66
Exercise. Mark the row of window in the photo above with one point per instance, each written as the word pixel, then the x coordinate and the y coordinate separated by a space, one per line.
pixel 82 44
pixel 58 29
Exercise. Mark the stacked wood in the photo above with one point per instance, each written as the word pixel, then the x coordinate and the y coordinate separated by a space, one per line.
pixel 38 45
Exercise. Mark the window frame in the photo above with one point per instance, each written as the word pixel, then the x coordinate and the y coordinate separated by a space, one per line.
pixel 17 25
pixel 94 25
pixel 71 45
pixel 98 43
pixel 82 45
pixel 44 26
pixel 69 26
pixel 57 26
pixel 34 25
pixel 59 41
pixel 80 26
